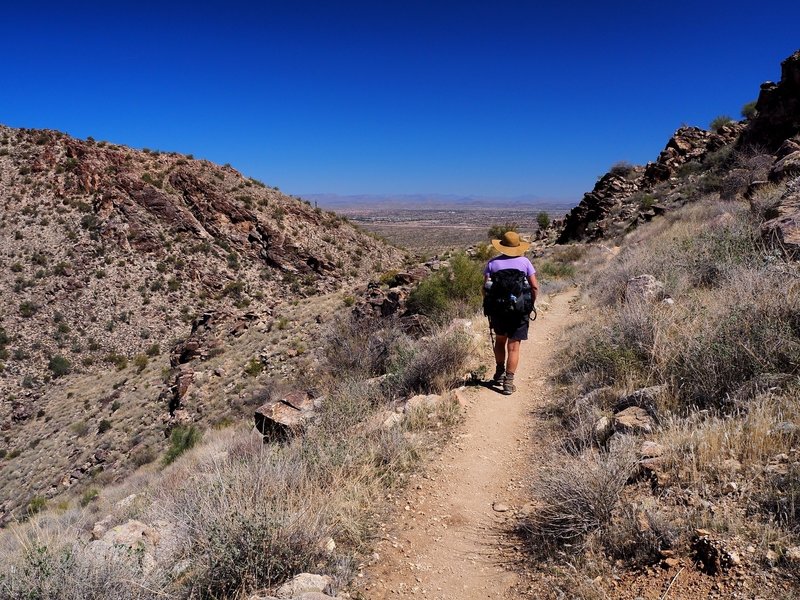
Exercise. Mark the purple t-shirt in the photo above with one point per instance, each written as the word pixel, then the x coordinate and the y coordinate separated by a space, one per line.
pixel 498 263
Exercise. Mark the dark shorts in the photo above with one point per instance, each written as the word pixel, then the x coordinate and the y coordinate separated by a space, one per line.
pixel 514 330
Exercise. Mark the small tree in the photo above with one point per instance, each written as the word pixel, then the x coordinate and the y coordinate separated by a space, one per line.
pixel 543 220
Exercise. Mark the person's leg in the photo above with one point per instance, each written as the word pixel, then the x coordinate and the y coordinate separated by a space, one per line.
pixel 500 356
pixel 513 356
pixel 511 368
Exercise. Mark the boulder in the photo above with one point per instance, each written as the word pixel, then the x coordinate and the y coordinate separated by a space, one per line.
pixel 785 428
pixel 792 555
pixel 786 167
pixel 633 420
pixel 279 419
pixel 651 450
pixel 422 402
pixel 133 540
pixel 782 229
pixel 391 420
pixel 646 398
pixel 777 116
pixel 302 584
pixel 603 429
pixel 643 288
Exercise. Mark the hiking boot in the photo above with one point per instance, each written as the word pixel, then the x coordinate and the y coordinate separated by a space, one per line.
pixel 508 385
pixel 499 375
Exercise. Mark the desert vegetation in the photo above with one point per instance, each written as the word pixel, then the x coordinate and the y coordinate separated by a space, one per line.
pixel 707 352
pixel 234 514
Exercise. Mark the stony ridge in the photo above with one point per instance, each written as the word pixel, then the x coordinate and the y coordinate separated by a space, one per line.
pixel 745 153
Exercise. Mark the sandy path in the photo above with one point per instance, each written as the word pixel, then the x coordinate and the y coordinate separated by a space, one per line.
pixel 447 541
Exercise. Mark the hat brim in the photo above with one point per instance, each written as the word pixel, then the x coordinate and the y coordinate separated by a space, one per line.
pixel 511 250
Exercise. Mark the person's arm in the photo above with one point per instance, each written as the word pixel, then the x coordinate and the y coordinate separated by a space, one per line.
pixel 534 286
pixel 483 287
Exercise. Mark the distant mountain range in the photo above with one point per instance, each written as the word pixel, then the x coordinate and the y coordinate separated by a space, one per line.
pixel 437 201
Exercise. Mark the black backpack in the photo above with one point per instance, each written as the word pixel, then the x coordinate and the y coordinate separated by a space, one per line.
pixel 509 295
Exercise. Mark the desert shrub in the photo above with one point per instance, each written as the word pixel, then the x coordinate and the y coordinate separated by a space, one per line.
pixel 89 496
pixel 701 245
pixel 638 534
pixel 104 426
pixel 554 269
pixel 254 367
pixel 48 568
pixel 388 277
pixel 483 252
pixel 79 428
pixel 614 346
pixel 749 109
pixel 496 231
pixel 27 309
pixel 435 364
pixel 180 440
pixel 140 362
pixel 35 505
pixel 719 122
pixel 543 220
pixel 621 169
pixel 576 498
pixel 118 360
pixel 363 347
pixel 733 334
pixel 153 350
pixel 454 291
pixel 255 514
pixel 59 366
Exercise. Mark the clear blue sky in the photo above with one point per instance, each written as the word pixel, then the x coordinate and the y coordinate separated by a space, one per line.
pixel 389 96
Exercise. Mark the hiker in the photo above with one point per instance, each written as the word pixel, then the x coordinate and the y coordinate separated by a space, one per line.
pixel 510 289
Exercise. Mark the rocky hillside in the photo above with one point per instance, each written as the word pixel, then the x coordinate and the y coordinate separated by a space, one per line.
pixel 109 255
pixel 737 157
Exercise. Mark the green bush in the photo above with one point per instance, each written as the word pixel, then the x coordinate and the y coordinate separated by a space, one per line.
pixel 36 504
pixel 89 496
pixel 496 231
pixel 554 269
pixel 104 426
pixel 453 291
pixel 749 110
pixel 543 220
pixel 59 366
pixel 180 440
pixel 254 367
pixel 140 362
pixel 27 309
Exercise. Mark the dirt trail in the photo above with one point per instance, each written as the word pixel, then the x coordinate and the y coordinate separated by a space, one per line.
pixel 448 538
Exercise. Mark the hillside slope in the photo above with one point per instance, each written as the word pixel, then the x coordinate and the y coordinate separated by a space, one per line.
pixel 107 256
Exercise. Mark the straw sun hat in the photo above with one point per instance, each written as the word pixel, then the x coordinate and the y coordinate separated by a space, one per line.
pixel 511 244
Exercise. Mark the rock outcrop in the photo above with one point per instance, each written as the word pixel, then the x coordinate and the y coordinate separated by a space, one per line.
pixel 618 196
pixel 782 227
pixel 777 111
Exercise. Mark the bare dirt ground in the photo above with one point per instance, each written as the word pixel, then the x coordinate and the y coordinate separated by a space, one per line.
pixel 450 536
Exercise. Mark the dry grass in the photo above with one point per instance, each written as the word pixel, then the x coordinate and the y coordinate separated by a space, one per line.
pixel 235 514
pixel 727 349
pixel 576 498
